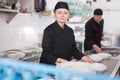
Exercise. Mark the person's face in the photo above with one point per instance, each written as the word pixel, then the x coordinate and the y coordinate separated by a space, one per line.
pixel 61 15
pixel 97 18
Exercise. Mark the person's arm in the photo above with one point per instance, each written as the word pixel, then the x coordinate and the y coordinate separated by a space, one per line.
pixel 103 38
pixel 97 48
pixel 79 55
pixel 86 59
pixel 89 34
pixel 47 45
pixel 60 60
pixel 75 52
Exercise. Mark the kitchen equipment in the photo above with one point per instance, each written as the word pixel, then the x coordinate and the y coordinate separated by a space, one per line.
pixel 30 54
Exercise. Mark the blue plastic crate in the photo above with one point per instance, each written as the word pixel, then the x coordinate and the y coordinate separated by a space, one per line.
pixel 19 70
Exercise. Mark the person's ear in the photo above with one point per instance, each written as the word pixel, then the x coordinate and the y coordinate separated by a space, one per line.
pixel 53 14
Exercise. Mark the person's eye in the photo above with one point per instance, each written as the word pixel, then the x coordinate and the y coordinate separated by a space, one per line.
pixel 65 13
pixel 59 12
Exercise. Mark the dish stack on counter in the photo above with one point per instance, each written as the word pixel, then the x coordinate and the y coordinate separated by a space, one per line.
pixel 83 66
pixel 100 56
pixel 96 66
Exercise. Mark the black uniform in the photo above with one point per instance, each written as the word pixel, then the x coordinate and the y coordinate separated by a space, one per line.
pixel 93 33
pixel 58 43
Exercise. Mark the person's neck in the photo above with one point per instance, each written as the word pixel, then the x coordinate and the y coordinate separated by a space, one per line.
pixel 61 24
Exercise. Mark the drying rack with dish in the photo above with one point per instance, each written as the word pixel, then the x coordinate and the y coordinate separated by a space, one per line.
pixel 31 54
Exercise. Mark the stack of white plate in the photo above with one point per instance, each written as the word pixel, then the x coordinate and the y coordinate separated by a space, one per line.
pixel 83 66
pixel 105 55
pixel 96 58
pixel 16 56
pixel 100 56
pixel 105 43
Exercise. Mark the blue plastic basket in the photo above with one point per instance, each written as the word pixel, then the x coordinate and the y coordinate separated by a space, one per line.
pixel 19 70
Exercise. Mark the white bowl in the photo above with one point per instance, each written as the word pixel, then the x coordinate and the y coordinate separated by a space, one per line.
pixel 16 56
pixel 98 67
pixel 83 66
pixel 96 57
pixel 78 66
pixel 105 55
pixel 105 43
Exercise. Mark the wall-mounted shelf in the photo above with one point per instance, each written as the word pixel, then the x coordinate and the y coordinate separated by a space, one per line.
pixel 7 14
pixel 8 10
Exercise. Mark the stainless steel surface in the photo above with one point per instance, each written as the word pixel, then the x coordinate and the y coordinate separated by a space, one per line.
pixel 115 52
pixel 112 63
pixel 32 54
pixel 112 66
pixel 33 58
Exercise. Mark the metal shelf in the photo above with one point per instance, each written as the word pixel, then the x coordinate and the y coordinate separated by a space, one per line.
pixel 7 14
pixel 8 10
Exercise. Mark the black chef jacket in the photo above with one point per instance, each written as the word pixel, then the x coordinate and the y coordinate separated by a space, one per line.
pixel 58 43
pixel 93 33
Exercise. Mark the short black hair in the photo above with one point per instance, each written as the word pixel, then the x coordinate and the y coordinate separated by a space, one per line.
pixel 98 11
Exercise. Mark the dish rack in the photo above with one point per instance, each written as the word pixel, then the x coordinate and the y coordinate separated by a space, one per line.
pixel 31 55
pixel 20 70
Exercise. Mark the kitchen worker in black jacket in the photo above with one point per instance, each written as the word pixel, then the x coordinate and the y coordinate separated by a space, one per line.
pixel 58 39
pixel 94 31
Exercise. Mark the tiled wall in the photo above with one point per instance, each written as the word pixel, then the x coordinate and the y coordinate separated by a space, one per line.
pixel 24 30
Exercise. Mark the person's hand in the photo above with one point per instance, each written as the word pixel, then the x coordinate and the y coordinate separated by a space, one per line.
pixel 97 49
pixel 103 39
pixel 86 59
pixel 60 60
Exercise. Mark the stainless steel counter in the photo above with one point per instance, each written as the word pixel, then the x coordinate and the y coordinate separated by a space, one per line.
pixel 33 58
pixel 32 54
pixel 113 66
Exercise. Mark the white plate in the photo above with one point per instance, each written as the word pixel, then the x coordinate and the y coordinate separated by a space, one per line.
pixel 83 66
pixel 78 66
pixel 16 56
pixel 105 43
pixel 98 67
pixel 96 57
pixel 105 55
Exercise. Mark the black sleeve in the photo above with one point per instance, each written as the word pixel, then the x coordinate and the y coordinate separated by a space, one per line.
pixel 89 34
pixel 102 27
pixel 47 45
pixel 75 52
